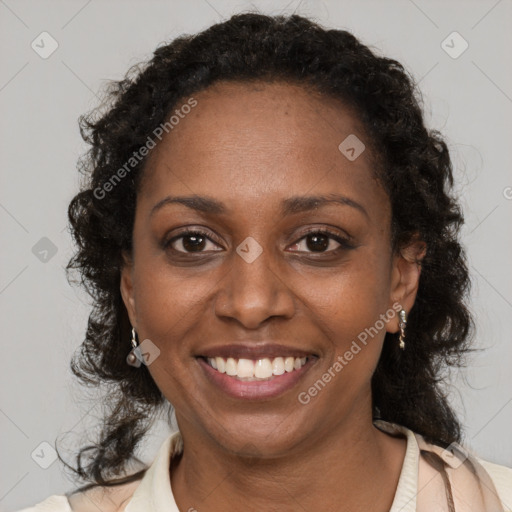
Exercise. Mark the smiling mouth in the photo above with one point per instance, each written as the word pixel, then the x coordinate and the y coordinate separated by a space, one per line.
pixel 256 370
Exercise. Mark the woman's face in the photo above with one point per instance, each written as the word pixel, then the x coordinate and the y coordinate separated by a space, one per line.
pixel 255 286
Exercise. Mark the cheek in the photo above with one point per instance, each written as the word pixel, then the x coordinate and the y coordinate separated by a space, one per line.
pixel 350 310
pixel 352 298
pixel 168 300
pixel 168 309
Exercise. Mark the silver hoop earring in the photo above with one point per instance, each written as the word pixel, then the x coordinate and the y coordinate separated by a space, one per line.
pixel 402 322
pixel 132 359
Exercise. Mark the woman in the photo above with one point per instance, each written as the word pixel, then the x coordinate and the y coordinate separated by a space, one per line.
pixel 268 226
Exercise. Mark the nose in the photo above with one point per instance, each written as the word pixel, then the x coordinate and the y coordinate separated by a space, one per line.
pixel 253 292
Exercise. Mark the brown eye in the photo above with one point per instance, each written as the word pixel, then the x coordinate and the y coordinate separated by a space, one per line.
pixel 321 242
pixel 190 242
pixel 317 242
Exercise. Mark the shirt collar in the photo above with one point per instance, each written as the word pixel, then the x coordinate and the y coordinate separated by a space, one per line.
pixel 154 493
pixel 407 488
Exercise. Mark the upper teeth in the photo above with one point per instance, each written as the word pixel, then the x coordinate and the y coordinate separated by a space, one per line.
pixel 260 369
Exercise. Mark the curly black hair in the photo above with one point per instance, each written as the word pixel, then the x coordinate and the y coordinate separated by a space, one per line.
pixel 412 163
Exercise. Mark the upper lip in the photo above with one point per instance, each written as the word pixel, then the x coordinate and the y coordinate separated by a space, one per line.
pixel 252 351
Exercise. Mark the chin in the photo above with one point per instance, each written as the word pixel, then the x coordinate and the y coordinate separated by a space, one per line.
pixel 259 437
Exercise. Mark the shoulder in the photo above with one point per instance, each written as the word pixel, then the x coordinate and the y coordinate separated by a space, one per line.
pixel 502 479
pixel 494 481
pixel 105 498
pixel 55 503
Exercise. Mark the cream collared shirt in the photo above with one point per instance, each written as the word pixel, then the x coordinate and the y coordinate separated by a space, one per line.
pixel 153 492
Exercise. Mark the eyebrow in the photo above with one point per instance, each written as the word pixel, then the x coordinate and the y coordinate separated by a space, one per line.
pixel 295 204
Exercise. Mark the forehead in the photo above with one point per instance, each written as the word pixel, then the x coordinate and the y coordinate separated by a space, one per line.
pixel 261 142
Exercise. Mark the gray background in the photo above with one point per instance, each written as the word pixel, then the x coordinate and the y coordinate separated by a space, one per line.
pixel 468 98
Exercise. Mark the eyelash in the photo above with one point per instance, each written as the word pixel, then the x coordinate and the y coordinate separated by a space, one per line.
pixel 344 242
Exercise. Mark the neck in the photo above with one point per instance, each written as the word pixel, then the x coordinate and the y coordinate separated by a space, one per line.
pixel 354 467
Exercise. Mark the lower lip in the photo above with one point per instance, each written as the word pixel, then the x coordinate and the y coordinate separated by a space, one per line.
pixel 255 390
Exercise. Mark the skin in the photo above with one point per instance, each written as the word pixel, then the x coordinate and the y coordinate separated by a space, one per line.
pixel 252 146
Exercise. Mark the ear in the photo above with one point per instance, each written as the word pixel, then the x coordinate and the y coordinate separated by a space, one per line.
pixel 405 278
pixel 126 287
